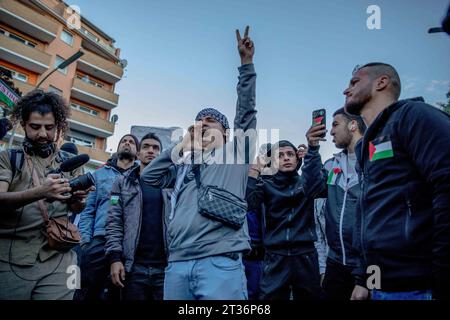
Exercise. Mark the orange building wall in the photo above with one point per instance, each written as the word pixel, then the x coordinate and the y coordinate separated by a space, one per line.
pixel 32 77
pixel 57 79
pixel 100 143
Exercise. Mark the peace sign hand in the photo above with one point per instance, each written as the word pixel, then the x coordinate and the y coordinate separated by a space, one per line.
pixel 245 47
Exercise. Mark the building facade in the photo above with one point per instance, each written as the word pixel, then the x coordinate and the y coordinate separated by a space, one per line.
pixel 168 136
pixel 35 37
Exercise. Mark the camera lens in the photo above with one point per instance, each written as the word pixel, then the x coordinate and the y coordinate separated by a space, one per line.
pixel 82 182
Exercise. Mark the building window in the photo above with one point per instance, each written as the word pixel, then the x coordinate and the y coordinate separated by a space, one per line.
pixel 67 37
pixel 81 142
pixel 81 138
pixel 84 109
pixel 18 38
pixel 17 75
pixel 58 61
pixel 55 90
pixel 86 79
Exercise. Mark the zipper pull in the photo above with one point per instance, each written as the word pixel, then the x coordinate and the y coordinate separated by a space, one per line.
pixel 408 203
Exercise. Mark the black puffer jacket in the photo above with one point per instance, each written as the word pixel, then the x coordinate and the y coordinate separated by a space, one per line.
pixel 289 203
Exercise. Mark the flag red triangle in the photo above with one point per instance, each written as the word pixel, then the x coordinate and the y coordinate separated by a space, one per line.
pixel 318 119
pixel 372 150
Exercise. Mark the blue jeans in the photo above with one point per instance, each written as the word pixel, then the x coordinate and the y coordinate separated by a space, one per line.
pixel 253 270
pixel 406 295
pixel 144 283
pixel 210 278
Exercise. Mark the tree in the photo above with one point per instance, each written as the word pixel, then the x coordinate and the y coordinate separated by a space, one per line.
pixel 446 106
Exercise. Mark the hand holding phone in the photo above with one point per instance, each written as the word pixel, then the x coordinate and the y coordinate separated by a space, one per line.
pixel 318 130
pixel 319 118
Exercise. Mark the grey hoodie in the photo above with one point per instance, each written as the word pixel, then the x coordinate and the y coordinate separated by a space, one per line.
pixel 191 235
pixel 342 193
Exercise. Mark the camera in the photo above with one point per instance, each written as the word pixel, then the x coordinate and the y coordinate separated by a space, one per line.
pixel 82 182
pixel 70 164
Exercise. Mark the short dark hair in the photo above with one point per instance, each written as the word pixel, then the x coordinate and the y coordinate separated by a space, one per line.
pixel 43 103
pixel 153 136
pixel 378 69
pixel 351 117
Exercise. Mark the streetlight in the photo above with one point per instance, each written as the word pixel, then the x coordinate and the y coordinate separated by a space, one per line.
pixel 62 65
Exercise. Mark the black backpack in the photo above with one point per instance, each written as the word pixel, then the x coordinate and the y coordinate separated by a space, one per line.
pixel 16 158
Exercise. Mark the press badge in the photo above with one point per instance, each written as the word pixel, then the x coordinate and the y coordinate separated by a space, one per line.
pixel 114 200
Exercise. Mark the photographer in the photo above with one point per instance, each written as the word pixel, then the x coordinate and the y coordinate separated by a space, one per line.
pixel 29 268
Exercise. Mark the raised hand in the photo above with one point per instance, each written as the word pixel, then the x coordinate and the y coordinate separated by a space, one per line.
pixel 315 134
pixel 302 150
pixel 245 47
pixel 192 141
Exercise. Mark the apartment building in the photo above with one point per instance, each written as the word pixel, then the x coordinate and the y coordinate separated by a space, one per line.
pixel 35 37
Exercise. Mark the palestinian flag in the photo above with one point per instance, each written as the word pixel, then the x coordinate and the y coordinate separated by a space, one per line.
pixel 114 200
pixel 7 95
pixel 318 120
pixel 380 148
pixel 332 176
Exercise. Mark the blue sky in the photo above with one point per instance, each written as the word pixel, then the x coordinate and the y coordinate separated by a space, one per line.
pixel 182 56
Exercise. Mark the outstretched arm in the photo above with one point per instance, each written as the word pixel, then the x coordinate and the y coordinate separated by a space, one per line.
pixel 245 118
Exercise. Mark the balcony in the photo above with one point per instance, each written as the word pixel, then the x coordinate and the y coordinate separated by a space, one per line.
pixel 94 44
pixel 27 20
pixel 96 126
pixel 97 156
pixel 98 67
pixel 24 87
pixel 93 95
pixel 22 55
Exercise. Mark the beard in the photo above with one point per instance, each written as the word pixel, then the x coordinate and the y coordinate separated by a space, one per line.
pixel 355 106
pixel 346 140
pixel 126 155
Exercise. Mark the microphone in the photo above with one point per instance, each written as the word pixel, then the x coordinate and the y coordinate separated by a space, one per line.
pixel 73 163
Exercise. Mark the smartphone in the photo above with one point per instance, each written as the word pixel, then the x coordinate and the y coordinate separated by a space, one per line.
pixel 319 117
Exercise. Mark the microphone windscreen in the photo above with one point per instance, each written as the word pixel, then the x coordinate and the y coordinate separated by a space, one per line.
pixel 74 162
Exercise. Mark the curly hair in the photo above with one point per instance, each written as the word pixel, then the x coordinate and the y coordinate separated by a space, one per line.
pixel 43 103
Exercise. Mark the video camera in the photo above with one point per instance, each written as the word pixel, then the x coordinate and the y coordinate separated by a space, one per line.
pixel 82 182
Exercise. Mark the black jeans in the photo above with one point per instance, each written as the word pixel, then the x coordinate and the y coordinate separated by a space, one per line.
pixel 290 276
pixel 144 283
pixel 338 282
pixel 95 271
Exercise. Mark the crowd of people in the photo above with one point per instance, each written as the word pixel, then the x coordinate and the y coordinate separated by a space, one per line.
pixel 211 218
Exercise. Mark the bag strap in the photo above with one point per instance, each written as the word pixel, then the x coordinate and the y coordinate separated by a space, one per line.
pixel 196 170
pixel 37 183
pixel 16 159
